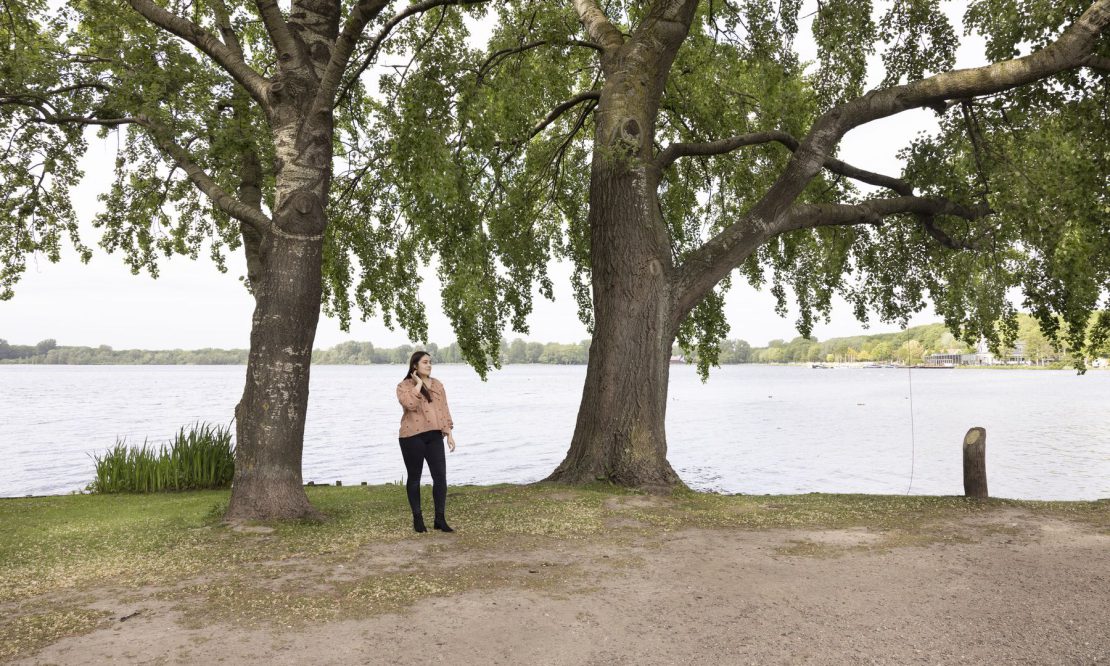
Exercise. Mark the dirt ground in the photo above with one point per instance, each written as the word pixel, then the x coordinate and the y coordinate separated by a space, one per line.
pixel 1004 587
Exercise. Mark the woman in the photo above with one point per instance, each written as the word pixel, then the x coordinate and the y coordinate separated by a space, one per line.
pixel 425 422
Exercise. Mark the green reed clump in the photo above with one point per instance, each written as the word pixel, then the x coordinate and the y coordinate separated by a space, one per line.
pixel 198 458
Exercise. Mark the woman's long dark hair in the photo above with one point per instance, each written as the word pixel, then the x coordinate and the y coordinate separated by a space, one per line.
pixel 413 360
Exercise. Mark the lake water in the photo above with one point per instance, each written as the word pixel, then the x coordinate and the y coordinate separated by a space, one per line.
pixel 750 429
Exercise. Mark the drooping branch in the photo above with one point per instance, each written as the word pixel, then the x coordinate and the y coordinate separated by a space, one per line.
pixel 676 150
pixel 975 134
pixel 710 263
pixel 219 52
pixel 558 111
pixel 379 38
pixel 598 26
pixel 203 181
pixel 560 152
pixel 497 56
pixel 246 214
pixel 278 30
pixel 403 72
pixel 929 222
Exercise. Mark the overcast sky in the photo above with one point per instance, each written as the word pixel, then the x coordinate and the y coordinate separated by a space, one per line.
pixel 193 305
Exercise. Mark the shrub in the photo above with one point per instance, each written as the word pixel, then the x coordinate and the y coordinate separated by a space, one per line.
pixel 198 458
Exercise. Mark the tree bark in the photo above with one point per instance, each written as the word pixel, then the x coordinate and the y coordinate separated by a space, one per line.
pixel 270 418
pixel 250 193
pixel 620 435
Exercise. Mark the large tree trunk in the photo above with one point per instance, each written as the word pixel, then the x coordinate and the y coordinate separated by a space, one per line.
pixel 270 418
pixel 620 435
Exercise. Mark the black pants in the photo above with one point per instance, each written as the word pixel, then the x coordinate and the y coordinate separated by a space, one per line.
pixel 416 449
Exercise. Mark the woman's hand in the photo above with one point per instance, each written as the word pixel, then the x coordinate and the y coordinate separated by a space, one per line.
pixel 451 442
pixel 416 378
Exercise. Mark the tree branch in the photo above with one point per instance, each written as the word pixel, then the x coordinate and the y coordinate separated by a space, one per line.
pixel 380 37
pixel 223 21
pixel 808 216
pixel 1098 62
pixel 560 153
pixel 676 150
pixel 91 85
pixel 597 25
pixel 220 53
pixel 497 56
pixel 278 30
pixel 364 12
pixel 558 111
pixel 710 263
pixel 82 120
pixel 249 215
pixel 223 200
pixel 48 117
pixel 204 182
pixel 673 152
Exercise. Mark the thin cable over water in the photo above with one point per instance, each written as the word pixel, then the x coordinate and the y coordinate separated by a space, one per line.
pixel 913 443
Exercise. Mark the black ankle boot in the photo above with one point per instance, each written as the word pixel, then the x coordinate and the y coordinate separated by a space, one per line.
pixel 441 524
pixel 418 522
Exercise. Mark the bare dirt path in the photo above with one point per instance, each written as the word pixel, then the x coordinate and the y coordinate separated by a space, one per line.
pixel 1000 587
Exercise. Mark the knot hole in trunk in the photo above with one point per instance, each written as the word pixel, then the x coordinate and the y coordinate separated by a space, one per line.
pixel 301 213
pixel 627 137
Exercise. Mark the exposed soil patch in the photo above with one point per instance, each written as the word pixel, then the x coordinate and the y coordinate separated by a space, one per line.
pixel 638 502
pixel 997 585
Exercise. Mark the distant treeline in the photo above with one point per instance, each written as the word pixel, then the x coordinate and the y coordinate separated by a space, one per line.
pixel 48 352
pixel 908 346
pixel 517 351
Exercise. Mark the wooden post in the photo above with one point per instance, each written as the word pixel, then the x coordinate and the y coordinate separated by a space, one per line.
pixel 975 463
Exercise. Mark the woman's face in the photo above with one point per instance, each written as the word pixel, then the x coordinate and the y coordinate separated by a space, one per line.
pixel 424 366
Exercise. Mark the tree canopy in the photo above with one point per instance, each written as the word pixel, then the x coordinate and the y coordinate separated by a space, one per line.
pixel 195 151
pixel 1010 194
pixel 483 154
